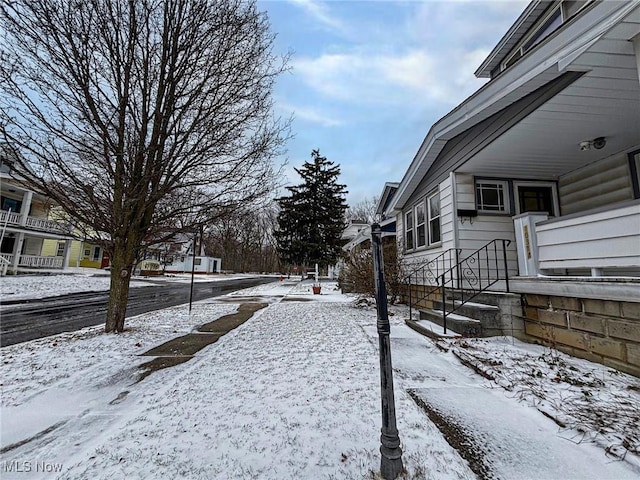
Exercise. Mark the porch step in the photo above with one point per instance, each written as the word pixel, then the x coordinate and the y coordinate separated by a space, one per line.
pixel 488 315
pixel 430 329
pixel 461 324
pixel 491 298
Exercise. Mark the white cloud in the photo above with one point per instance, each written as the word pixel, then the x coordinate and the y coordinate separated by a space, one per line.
pixel 309 114
pixel 367 77
pixel 321 13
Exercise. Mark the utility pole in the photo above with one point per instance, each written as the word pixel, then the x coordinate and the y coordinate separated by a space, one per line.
pixel 391 460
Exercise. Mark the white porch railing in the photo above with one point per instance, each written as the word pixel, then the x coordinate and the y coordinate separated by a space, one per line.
pixel 596 240
pixel 35 223
pixel 5 261
pixel 9 217
pixel 37 261
pixel 47 225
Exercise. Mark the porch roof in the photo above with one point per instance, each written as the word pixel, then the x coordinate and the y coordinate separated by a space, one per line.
pixel 604 102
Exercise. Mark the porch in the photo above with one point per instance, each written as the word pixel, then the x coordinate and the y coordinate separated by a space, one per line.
pixel 33 223
pixel 33 261
pixel 602 242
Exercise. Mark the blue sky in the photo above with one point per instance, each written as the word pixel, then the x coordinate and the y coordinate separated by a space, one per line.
pixel 369 78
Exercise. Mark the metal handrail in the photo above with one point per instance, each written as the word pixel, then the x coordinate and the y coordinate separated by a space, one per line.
pixel 466 278
pixel 427 273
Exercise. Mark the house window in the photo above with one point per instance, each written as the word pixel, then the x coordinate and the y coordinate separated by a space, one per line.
pixel 549 26
pixel 198 261
pixel 60 250
pixel 408 229
pixel 434 218
pixel 536 197
pixel 634 165
pixel 421 232
pixel 87 252
pixel 96 254
pixel 492 196
pixel 11 204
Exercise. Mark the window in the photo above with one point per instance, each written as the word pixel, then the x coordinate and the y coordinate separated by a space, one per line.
pixel 549 26
pixel 536 197
pixel 408 229
pixel 96 254
pixel 421 232
pixel 548 23
pixel 492 196
pixel 87 252
pixel 198 261
pixel 434 218
pixel 60 250
pixel 11 204
pixel 634 165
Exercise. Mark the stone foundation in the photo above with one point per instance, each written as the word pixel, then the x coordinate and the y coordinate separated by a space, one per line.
pixel 603 331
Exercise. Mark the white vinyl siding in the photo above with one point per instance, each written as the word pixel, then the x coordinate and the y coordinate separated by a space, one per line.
pixel 605 182
pixel 474 234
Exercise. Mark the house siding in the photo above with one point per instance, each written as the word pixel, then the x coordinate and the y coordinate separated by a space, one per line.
pixel 474 234
pixel 599 184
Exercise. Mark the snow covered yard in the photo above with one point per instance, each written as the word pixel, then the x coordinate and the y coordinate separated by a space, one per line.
pixel 21 287
pixel 291 393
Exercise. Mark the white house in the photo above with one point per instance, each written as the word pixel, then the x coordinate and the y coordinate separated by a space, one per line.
pixel 25 225
pixel 532 185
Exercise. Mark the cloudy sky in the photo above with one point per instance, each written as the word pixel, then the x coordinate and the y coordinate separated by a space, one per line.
pixel 369 78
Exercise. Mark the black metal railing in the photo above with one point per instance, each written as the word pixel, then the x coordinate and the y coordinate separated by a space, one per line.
pixel 466 278
pixel 428 274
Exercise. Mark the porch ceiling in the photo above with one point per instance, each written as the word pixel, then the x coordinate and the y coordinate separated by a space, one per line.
pixel 605 102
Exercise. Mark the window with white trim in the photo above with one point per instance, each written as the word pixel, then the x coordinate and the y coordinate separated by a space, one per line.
pixel 421 232
pixel 60 249
pixel 536 197
pixel 434 218
pixel 408 231
pixel 492 196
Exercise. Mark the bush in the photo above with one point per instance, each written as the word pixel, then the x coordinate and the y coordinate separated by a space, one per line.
pixel 357 273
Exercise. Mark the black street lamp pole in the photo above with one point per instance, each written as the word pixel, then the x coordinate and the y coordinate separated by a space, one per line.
pixel 193 269
pixel 391 461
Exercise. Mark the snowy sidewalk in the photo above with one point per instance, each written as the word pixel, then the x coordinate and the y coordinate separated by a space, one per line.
pixel 292 393
pixel 507 439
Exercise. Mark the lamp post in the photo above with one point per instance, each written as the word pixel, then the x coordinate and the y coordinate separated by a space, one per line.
pixel 193 269
pixel 391 460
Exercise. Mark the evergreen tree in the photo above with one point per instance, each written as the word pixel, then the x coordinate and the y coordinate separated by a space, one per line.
pixel 311 218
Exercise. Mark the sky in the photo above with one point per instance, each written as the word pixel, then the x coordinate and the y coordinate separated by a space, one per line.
pixel 369 78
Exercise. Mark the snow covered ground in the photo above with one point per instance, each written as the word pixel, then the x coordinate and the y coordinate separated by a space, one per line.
pixel 21 287
pixel 294 393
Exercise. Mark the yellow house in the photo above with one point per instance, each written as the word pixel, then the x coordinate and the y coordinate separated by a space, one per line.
pixel 83 254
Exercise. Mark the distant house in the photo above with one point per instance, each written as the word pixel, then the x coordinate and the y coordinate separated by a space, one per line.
pixel 532 186
pixel 25 225
pixel 83 253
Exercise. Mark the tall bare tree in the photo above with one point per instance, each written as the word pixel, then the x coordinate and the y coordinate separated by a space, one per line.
pixel 140 117
pixel 364 210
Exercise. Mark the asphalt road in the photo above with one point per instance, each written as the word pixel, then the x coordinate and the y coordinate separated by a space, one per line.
pixel 28 320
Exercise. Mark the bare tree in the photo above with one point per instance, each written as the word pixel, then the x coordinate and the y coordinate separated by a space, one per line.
pixel 364 210
pixel 244 239
pixel 140 118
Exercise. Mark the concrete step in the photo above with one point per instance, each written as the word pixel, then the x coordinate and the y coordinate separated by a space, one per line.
pixel 491 298
pixel 461 324
pixel 488 315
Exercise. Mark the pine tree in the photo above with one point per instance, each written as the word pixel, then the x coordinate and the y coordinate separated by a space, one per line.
pixel 311 218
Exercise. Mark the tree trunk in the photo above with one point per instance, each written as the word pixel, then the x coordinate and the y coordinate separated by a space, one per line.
pixel 121 267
